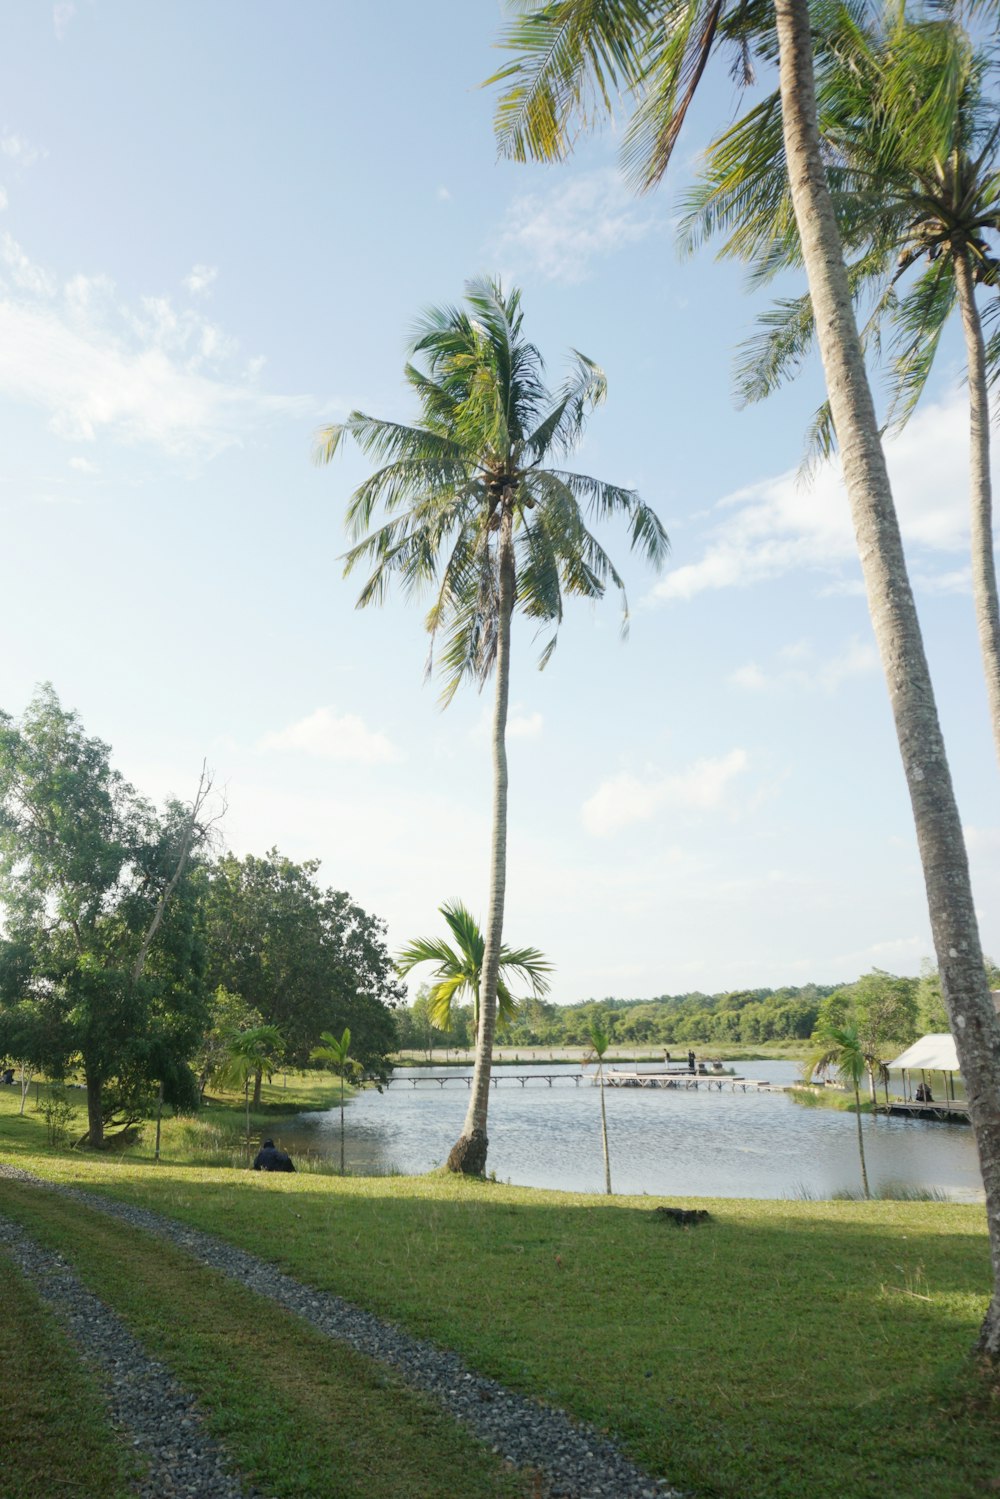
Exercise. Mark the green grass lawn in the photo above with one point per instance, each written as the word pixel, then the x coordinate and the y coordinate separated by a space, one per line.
pixel 304 1417
pixel 53 1440
pixel 783 1349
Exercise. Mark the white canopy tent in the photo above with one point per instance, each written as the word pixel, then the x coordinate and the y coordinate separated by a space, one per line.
pixel 929 1054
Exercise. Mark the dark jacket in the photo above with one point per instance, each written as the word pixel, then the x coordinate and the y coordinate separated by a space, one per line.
pixel 271 1159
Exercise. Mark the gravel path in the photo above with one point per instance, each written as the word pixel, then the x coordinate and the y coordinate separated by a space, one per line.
pixel 576 1460
pixel 157 1418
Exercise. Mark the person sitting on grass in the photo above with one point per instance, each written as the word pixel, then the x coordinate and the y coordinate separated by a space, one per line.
pixel 271 1159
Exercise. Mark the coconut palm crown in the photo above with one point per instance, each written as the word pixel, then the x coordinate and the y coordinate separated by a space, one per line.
pixel 908 118
pixel 459 968
pixel 488 426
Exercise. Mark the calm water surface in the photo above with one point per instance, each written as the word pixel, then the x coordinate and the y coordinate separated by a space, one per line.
pixel 664 1141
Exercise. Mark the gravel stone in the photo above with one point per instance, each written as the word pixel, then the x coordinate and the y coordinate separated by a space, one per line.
pixel 150 1411
pixel 574 1459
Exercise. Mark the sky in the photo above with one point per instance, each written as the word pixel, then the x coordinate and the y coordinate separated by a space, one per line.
pixel 218 226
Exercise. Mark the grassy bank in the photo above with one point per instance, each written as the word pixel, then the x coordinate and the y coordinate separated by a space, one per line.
pixel 215 1136
pixel 783 1348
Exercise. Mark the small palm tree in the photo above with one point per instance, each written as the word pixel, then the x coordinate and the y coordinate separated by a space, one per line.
pixel 334 1054
pixel 248 1053
pixel 476 514
pixel 840 1047
pixel 599 1043
pixel 459 968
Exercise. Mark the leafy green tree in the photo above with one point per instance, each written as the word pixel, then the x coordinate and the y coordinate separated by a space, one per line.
pixel 101 957
pixel 459 969
pixel 248 1054
pixel 304 958
pixel 882 1008
pixel 908 117
pixel 599 1043
pixel 335 1055
pixel 841 1047
pixel 574 58
pixel 475 514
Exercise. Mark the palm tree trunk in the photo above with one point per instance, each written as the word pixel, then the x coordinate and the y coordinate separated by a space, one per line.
pixel 341 1124
pixel 984 573
pixel 897 631
pixel 861 1142
pixel 468 1154
pixel 257 1079
pixel 604 1132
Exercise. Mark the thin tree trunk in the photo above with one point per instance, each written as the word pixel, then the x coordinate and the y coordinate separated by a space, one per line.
pixel 257 1077
pixel 604 1131
pixel 861 1142
pixel 159 1121
pixel 341 1124
pixel 95 1115
pixel 26 1076
pixel 187 838
pixel 890 601
pixel 468 1154
pixel 984 573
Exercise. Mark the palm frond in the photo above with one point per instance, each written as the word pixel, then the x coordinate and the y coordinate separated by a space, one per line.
pixel 573 59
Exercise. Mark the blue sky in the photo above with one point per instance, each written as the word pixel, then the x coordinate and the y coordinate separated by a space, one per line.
pixel 219 223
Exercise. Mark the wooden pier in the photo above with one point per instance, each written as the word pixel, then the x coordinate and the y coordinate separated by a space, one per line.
pixel 709 1080
pixel 949 1110
pixel 497 1077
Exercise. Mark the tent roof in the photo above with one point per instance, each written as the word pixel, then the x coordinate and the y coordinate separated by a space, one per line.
pixel 929 1054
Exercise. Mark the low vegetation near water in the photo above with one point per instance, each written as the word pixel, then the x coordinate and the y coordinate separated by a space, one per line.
pixel 780 1349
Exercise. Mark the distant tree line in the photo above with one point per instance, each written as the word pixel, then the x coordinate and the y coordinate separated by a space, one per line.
pixel 135 952
pixel 888 1007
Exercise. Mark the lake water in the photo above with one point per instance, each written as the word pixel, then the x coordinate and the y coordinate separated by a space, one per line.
pixel 669 1142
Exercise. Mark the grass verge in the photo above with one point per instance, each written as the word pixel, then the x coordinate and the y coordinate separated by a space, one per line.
pixel 303 1417
pixel 783 1348
pixel 54 1436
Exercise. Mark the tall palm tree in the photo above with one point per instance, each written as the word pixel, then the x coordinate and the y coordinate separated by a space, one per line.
pixel 573 55
pixel 912 144
pixel 599 1043
pixel 841 1047
pixel 335 1054
pixel 460 968
pixel 475 514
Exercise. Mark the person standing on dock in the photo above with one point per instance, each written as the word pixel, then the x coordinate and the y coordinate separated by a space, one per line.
pixel 690 1061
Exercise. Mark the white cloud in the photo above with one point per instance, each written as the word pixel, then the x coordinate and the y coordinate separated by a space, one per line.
pixel 19 149
pixel 84 466
pixel 520 723
pixel 26 275
pixel 3 199
pixel 200 278
pixel 443 195
pixel 858 658
pixel 329 737
pixel 62 14
pixel 560 232
pixel 150 374
pixel 524 725
pixel 625 798
pixel 781 525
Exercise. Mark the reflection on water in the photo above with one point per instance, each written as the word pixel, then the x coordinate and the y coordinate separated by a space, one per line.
pixel 667 1142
